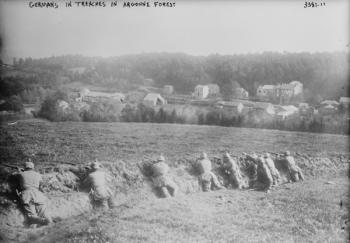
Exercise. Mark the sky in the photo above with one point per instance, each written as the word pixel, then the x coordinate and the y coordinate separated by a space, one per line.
pixel 192 27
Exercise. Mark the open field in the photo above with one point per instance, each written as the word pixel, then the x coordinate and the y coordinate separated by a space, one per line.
pixel 82 142
pixel 310 211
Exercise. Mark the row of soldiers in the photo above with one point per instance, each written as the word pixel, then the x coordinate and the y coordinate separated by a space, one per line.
pixel 265 172
pixel 101 194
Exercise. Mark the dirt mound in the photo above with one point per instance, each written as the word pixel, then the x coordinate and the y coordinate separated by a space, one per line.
pixel 63 185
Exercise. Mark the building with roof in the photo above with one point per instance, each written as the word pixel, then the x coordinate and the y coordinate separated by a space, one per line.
pixel 201 91
pixel 214 90
pixel 281 92
pixel 230 106
pixel 154 99
pixel 344 101
pixel 284 112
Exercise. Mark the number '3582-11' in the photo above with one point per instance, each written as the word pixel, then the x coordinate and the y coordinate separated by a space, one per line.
pixel 314 4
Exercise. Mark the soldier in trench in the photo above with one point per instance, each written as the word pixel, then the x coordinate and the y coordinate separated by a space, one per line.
pixel 98 182
pixel 34 202
pixel 161 178
pixel 207 178
pixel 233 170
pixel 295 172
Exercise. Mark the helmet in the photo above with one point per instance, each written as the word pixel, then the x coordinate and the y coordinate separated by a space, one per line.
pixel 204 155
pixel 161 158
pixel 287 153
pixel 29 165
pixel 266 155
pixel 95 165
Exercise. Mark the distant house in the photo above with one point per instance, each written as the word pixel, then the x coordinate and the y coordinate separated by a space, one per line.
pixel 265 91
pixel 329 102
pixel 87 95
pixel 286 111
pixel 281 92
pixel 344 101
pixel 154 99
pixel 240 93
pixel 265 107
pixel 201 91
pixel 230 106
pixel 168 89
pixel 327 109
pixel 214 90
pixel 305 109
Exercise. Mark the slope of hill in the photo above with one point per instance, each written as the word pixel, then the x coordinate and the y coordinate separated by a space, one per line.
pixel 307 211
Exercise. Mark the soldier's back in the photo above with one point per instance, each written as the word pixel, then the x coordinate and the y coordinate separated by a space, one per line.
pixel 30 179
pixel 97 178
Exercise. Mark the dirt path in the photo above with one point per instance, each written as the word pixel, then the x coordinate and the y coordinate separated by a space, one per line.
pixel 300 212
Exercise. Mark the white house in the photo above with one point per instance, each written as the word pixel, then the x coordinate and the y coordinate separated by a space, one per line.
pixel 287 111
pixel 265 91
pixel 329 102
pixel 154 99
pixel 201 91
pixel 292 89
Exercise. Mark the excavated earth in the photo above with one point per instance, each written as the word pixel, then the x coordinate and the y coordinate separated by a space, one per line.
pixel 315 210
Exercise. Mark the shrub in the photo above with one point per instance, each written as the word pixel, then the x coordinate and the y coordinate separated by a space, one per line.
pixel 14 103
pixel 103 112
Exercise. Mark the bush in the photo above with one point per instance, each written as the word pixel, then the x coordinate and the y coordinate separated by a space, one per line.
pixel 103 112
pixel 14 103
pixel 51 110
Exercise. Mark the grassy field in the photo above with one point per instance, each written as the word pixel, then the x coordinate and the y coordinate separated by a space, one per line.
pixel 82 142
pixel 301 212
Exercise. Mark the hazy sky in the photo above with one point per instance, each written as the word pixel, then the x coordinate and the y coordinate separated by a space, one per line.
pixel 193 27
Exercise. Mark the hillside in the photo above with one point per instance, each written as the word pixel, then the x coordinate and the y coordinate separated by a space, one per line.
pixel 306 211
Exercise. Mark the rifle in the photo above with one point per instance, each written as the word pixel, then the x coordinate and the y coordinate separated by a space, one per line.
pixel 13 167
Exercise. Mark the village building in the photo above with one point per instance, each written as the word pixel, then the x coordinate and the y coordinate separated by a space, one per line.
pixel 154 99
pixel 214 90
pixel 201 91
pixel 328 107
pixel 265 91
pixel 168 89
pixel 305 109
pixel 284 112
pixel 264 107
pixel 281 92
pixel 93 96
pixel 330 103
pixel 345 102
pixel 230 106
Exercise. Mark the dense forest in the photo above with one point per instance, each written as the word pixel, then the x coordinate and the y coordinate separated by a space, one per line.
pixel 324 75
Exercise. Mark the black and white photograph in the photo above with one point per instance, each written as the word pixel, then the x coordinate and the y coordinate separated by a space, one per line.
pixel 174 121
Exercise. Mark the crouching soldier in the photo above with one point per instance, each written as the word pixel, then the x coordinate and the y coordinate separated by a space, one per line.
pixel 273 170
pixel 295 172
pixel 34 202
pixel 263 173
pixel 98 182
pixel 233 169
pixel 161 178
pixel 207 178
